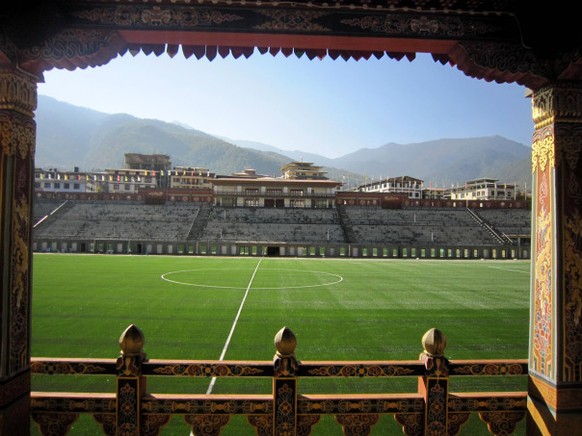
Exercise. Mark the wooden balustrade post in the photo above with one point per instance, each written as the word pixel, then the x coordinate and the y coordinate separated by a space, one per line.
pixel 285 384
pixel 131 385
pixel 18 97
pixel 434 385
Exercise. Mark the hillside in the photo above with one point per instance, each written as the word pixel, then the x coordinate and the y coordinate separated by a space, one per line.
pixel 69 136
pixel 441 162
pixel 445 161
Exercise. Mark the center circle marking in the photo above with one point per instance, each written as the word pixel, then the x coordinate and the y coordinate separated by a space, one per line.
pixel 334 279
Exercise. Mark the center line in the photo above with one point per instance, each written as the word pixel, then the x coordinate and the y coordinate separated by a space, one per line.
pixel 211 385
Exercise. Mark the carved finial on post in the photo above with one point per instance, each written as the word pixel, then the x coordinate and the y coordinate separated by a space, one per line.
pixel 285 366
pixel 131 354
pixel 434 385
pixel 434 343
pixel 284 360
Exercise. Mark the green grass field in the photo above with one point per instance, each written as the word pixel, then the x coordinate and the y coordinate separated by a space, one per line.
pixel 339 309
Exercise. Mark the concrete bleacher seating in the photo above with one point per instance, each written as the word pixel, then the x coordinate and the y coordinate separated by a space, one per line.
pixel 44 207
pixel 121 220
pixel 416 226
pixel 282 225
pixel 511 222
pixel 126 220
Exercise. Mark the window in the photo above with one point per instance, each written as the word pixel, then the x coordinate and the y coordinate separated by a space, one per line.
pixel 297 203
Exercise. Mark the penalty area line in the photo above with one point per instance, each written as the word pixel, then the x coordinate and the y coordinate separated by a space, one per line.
pixel 225 348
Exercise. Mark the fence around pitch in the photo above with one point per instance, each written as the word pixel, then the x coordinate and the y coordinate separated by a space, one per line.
pixel 285 249
pixel 131 410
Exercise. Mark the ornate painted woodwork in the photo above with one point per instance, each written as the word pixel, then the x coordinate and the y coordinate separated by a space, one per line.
pixel 285 384
pixel 207 424
pixel 132 410
pixel 17 146
pixel 435 384
pixel 496 41
pixel 492 41
pixel 355 425
pixel 555 360
pixel 55 425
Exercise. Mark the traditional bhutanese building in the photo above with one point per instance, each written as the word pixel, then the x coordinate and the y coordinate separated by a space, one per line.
pixel 274 192
pixel 431 193
pixel 249 189
pixel 396 185
pixel 303 170
pixel 152 162
pixel 484 189
pixel 186 177
pixel 158 164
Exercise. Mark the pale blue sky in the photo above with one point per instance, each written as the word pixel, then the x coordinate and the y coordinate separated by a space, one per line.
pixel 321 106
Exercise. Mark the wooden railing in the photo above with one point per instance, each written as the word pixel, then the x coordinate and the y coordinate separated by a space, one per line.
pixel 131 410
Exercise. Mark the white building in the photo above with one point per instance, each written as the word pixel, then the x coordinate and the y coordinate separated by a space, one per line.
pixel 402 185
pixel 484 189
pixel 186 177
pixel 53 180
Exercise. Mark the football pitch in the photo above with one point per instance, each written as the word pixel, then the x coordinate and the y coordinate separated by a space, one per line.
pixel 231 308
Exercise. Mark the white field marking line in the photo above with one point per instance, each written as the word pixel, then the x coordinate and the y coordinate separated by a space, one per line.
pixel 509 269
pixel 164 277
pixel 211 385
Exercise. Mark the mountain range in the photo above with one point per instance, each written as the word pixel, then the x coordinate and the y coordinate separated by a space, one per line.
pixel 69 136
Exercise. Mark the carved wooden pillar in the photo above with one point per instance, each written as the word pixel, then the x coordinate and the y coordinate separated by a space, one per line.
pixel 131 385
pixel 434 386
pixel 285 384
pixel 17 142
pixel 555 356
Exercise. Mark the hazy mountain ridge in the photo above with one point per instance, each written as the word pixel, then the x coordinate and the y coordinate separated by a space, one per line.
pixel 441 162
pixel 69 136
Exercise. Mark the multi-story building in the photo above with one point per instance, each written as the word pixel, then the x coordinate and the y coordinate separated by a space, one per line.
pixel 185 177
pixel 301 184
pixel 484 189
pixel 303 171
pixel 158 164
pixel 396 185
pixel 431 193
pixel 274 192
pixel 129 181
pixel 53 180
pixel 293 189
pixel 152 162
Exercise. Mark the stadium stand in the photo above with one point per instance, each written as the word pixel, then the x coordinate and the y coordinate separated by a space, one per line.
pixel 509 222
pixel 61 223
pixel 119 221
pixel 417 226
pixel 267 224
